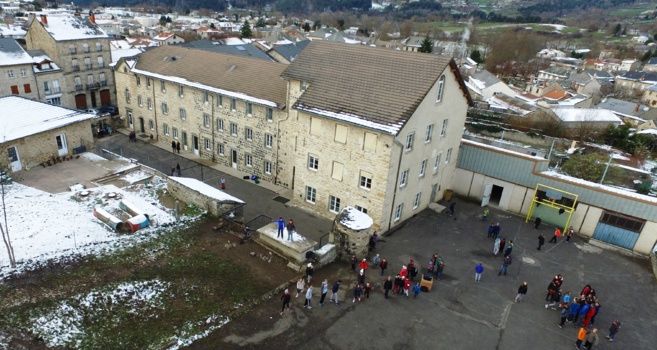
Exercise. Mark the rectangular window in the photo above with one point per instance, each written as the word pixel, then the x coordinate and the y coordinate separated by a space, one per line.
pixel 441 87
pixel 220 101
pixel 206 120
pixel 443 130
pixel 74 64
pixel 165 108
pixel 149 102
pixel 248 160
pixel 127 96
pixel 87 63
pixel 165 127
pixel 249 109
pixel 10 73
pixel 429 134
pixel 269 140
pixel 233 129
pixel 206 97
pixel 270 114
pixel 101 64
pixel 57 101
pixel 55 87
pixel 416 203
pixel 370 141
pixel 139 100
pixel 72 49
pixel 208 145
pixel 448 156
pixel 23 72
pixel 233 103
pixel 436 164
pixel 338 170
pixel 27 88
pixel 398 211
pixel 181 90
pixel 175 133
pixel 334 204
pixel 313 162
pixel 99 47
pixel 409 141
pixel 311 194
pixel 365 179
pixel 163 86
pixel 341 133
pixel 85 48
pixel 304 85
pixel 14 89
pixel 220 149
pixel 248 134
pixel 151 124
pixel 267 167
pixel 423 167
pixel 403 178
pixel 315 126
pixel 361 209
pixel 220 124
pixel 137 79
pixel 623 222
pixel 183 114
pixel 103 80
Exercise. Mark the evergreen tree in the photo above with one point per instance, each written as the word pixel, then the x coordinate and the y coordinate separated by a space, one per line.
pixel 306 27
pixel 246 30
pixel 163 21
pixel 476 56
pixel 261 23
pixel 427 45
pixel 318 24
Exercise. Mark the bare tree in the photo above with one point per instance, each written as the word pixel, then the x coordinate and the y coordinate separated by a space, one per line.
pixel 4 227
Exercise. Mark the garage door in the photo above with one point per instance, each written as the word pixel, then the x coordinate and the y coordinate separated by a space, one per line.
pixel 105 98
pixel 81 101
pixel 618 230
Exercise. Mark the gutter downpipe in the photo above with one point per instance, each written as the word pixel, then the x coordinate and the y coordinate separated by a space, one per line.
pixel 278 134
pixel 394 194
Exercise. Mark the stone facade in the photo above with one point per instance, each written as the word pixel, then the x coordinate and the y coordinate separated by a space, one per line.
pixel 88 80
pixel 191 196
pixel 36 149
pixel 18 80
pixel 233 132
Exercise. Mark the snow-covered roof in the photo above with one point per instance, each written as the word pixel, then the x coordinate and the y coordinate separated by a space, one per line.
pixel 617 190
pixel 648 131
pixel 392 129
pixel 234 41
pixel 22 117
pixel 354 219
pixel 11 53
pixel 63 28
pixel 206 189
pixel 118 54
pixel 11 31
pixel 586 115
pixel 499 149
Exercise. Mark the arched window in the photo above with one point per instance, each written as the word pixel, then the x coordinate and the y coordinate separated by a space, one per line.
pixel 441 86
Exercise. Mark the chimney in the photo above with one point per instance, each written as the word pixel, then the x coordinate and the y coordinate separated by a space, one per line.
pixel 44 19
pixel 92 17
pixel 636 109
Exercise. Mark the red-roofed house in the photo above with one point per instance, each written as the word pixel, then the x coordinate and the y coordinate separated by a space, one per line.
pixel 168 38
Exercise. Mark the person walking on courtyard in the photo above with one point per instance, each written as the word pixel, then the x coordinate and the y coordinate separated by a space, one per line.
pixel 290 230
pixel 508 249
pixel 361 277
pixel 537 222
pixel 541 241
pixel 522 291
pixel 399 285
pixel 569 234
pixel 551 290
pixel 496 230
pixel 324 291
pixel 353 261
pixel 309 295
pixel 615 328
pixel 178 147
pixel 358 291
pixel 451 208
pixel 564 316
pixel 496 246
pixel 591 339
pixel 286 301
pixel 366 290
pixel 505 265
pixel 479 269
pixel 491 228
pixel 486 212
pixel 440 266
pixel 173 146
pixel 310 270
pixel 555 299
pixel 334 293
pixel 281 226
pixel 383 266
pixel 300 286
pixel 557 234
pixel 574 310
pixel 502 244
pixel 416 290
pixel 387 286
pixel 363 264
pixel 223 183
pixel 581 335
pixel 376 260
pixel 178 173
pixel 407 286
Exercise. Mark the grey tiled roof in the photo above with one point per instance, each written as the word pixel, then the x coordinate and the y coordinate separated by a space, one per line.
pixel 378 85
pixel 246 50
pixel 291 51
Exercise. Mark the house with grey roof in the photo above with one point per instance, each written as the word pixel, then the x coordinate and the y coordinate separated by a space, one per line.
pixel 385 144
pixel 483 85
pixel 245 50
pixel 412 43
pixel 288 53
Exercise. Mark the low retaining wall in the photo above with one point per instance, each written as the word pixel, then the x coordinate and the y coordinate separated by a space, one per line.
pixel 294 251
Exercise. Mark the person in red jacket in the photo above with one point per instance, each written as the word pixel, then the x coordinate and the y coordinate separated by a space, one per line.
pixel 589 315
pixel 407 286
pixel 404 272
pixel 363 264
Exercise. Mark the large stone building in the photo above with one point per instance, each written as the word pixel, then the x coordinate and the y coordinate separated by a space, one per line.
pixel 218 106
pixel 82 50
pixel 347 125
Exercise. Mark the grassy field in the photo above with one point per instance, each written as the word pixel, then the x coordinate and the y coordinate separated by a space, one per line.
pixel 631 12
pixel 154 295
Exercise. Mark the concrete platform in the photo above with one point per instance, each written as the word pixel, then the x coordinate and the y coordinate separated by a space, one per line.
pixel 294 251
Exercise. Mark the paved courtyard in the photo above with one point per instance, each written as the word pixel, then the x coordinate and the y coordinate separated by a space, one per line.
pixel 459 313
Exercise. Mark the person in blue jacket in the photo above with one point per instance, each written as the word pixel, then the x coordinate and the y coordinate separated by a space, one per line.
pixel 479 269
pixel 281 226
pixel 574 310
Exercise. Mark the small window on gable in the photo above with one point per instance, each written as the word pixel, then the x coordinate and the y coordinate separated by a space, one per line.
pixel 341 133
pixel 370 141
pixel 441 88
pixel 315 126
pixel 304 85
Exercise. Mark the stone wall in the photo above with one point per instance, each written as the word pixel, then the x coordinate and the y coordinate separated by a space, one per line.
pixel 197 198
pixel 349 242
pixel 35 149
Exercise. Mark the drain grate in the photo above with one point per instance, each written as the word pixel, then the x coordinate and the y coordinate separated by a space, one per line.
pixel 281 199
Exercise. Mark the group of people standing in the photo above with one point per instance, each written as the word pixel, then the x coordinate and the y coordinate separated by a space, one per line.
pixel 289 227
